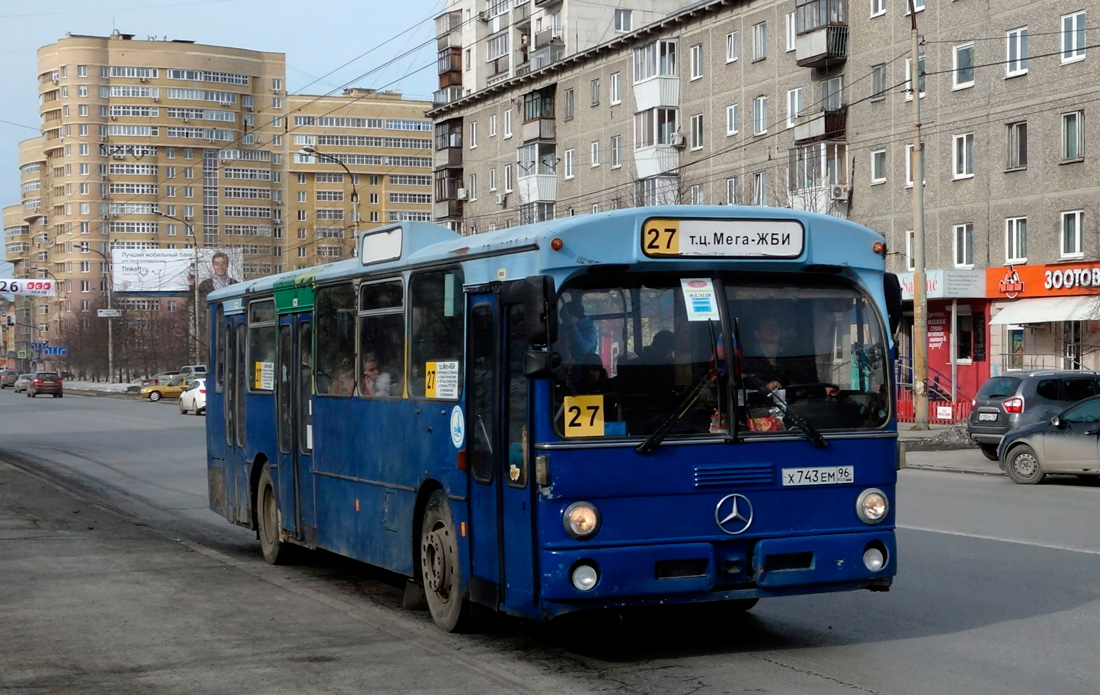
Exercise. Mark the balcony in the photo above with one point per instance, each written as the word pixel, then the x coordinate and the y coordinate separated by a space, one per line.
pixel 822 48
pixel 539 129
pixel 655 92
pixel 547 37
pixel 451 40
pixel 547 55
pixel 823 125
pixel 447 158
pixel 442 97
pixel 656 160
pixel 498 70
pixel 448 22
pixel 546 3
pixel 522 12
pixel 449 66
pixel 447 209
pixel 538 188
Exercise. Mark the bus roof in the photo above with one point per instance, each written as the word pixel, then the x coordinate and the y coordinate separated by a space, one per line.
pixel 608 238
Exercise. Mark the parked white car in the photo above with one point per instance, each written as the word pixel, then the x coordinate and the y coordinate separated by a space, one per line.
pixel 193 400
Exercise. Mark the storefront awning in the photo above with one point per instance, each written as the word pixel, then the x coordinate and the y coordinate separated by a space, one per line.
pixel 1049 309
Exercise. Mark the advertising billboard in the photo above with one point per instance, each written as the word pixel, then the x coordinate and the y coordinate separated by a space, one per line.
pixel 170 271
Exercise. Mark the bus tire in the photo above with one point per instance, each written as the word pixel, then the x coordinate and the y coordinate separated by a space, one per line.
pixel 440 567
pixel 1023 467
pixel 267 521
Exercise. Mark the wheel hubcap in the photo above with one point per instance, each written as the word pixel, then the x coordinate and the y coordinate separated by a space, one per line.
pixel 1025 465
pixel 269 516
pixel 434 562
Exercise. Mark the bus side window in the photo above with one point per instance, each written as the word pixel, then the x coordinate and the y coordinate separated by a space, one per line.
pixel 435 334
pixel 219 350
pixel 261 346
pixel 335 309
pixel 381 339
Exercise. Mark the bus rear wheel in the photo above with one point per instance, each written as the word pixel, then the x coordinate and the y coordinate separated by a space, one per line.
pixel 440 569
pixel 267 521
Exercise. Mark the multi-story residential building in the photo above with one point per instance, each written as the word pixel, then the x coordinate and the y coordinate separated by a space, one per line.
pixel 146 144
pixel 808 104
pixel 373 147
pixel 485 42
pixel 17 243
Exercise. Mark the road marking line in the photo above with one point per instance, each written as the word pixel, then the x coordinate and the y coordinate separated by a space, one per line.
pixel 983 537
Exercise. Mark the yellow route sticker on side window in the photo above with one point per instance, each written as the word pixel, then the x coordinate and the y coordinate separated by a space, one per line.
pixel 584 416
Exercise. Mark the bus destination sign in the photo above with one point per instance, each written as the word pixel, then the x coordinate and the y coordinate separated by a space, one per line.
pixel 723 238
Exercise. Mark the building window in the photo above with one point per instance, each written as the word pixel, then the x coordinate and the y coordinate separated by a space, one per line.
pixel 790 32
pixel 1073 37
pixel 910 261
pixel 570 104
pixel 964 246
pixel 1073 145
pixel 731 46
pixel 760 188
pixel 696 128
pixel 963 151
pixel 655 59
pixel 473 187
pixel 1017 145
pixel 569 164
pixel 832 94
pixel 760 41
pixel 963 72
pixel 1016 52
pixel 760 115
pixel 1071 233
pixel 733 119
pixel 1016 240
pixel 909 77
pixel 623 21
pixel 493 125
pixel 616 89
pixel 918 5
pixel 909 167
pixel 616 151
pixel 596 154
pixel 508 123
pixel 473 135
pixel 654 127
pixel 696 61
pixel 595 92
pixel 695 195
pixel 878 82
pixel 878 167
pixel 878 7
pixel 794 106
pixel 493 179
pixel 508 178
pixel 733 191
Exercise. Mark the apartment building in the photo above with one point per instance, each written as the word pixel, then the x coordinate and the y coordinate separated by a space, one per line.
pixel 484 42
pixel 150 144
pixel 356 160
pixel 18 335
pixel 808 104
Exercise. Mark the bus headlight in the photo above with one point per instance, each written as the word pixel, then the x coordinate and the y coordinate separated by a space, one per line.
pixel 872 506
pixel 581 520
pixel 584 577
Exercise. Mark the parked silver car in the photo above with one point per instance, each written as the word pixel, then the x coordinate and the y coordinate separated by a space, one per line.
pixel 1067 443
pixel 23 382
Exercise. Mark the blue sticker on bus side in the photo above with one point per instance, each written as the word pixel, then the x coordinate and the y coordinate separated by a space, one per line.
pixel 458 427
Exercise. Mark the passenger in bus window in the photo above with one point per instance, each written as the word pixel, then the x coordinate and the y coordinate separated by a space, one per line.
pixel 578 332
pixel 374 381
pixel 661 350
pixel 766 365
pixel 343 383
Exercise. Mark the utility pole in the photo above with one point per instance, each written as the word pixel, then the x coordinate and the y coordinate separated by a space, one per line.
pixel 110 313
pixel 920 287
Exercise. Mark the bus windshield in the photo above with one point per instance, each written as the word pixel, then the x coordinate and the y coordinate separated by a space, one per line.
pixel 636 351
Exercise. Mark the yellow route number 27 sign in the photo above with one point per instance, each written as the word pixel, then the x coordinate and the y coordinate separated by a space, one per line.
pixel 584 416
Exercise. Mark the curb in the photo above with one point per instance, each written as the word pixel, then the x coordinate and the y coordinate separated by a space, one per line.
pixel 965 471
pixel 101 394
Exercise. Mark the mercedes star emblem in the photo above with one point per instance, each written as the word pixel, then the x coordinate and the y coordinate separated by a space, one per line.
pixel 734 514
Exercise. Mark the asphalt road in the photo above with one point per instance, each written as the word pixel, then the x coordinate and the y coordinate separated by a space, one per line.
pixel 115 577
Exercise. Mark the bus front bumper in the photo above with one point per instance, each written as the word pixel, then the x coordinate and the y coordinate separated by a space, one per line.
pixel 715 571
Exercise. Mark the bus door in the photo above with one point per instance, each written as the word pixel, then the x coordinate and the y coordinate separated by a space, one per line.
pixel 233 413
pixel 502 548
pixel 294 401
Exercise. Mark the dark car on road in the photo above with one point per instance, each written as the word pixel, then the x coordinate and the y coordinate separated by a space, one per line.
pixel 46 382
pixel 1068 443
pixel 1017 398
pixel 8 377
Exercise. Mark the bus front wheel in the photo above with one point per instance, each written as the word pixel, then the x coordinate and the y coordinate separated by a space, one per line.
pixel 439 565
pixel 267 521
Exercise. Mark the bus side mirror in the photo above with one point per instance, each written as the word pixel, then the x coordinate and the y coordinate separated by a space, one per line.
pixel 540 307
pixel 538 364
pixel 892 289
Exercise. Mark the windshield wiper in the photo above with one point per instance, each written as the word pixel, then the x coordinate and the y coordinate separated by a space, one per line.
pixel 672 418
pixel 797 420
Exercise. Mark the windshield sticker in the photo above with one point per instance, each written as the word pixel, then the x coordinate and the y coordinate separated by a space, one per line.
pixel 458 427
pixel 441 379
pixel 584 416
pixel 702 305
pixel 723 238
pixel 265 376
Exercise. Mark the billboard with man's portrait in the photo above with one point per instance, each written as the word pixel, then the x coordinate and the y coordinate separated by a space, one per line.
pixel 171 271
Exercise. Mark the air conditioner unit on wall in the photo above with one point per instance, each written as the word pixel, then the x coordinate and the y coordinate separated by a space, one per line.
pixel 460 194
pixel 502 198
pixel 839 193
pixel 678 140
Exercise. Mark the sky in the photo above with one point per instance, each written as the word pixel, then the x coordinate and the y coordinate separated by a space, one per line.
pixel 317 37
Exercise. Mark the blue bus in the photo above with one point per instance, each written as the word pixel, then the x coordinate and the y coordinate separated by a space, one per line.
pixel 646 406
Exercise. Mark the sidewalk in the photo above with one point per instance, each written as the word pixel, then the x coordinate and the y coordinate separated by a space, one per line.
pixel 101 388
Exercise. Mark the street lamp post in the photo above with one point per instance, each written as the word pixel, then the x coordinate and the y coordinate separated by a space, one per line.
pixel 311 151
pixel 110 318
pixel 195 284
pixel 57 283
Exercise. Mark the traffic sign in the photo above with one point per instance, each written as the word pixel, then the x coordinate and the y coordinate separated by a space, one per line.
pixel 55 351
pixel 22 354
pixel 39 346
pixel 110 313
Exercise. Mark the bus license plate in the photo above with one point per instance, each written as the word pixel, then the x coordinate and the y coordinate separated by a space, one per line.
pixel 987 417
pixel 824 475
